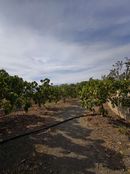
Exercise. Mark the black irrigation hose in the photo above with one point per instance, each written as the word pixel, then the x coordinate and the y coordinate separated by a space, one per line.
pixel 43 128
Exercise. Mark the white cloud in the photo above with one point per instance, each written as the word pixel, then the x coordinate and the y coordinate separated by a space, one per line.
pixel 33 57
pixel 37 43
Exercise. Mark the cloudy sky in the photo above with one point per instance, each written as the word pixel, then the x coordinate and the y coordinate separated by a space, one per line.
pixel 64 40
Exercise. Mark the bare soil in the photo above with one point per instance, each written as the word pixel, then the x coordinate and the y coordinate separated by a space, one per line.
pixel 87 145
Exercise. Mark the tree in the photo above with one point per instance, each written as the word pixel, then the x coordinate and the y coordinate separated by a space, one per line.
pixel 94 93
pixel 120 70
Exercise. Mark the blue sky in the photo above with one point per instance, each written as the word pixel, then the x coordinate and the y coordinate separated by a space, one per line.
pixel 64 40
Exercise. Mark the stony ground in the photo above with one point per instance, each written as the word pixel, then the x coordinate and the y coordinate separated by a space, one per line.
pixel 87 145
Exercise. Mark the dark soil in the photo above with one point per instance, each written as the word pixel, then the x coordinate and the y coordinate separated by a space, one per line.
pixel 87 145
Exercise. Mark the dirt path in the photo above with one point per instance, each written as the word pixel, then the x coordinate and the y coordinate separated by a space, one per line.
pixel 90 145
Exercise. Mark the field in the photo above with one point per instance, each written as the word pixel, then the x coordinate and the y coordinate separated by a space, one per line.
pixel 64 87
pixel 90 144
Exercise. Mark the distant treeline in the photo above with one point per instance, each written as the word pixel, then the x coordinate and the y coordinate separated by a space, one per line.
pixel 15 93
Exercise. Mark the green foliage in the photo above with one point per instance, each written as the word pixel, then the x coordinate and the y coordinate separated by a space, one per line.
pixel 94 93
pixel 115 88
pixel 98 92
pixel 6 105
pixel 15 93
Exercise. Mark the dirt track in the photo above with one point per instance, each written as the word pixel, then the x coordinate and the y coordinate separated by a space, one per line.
pixel 87 145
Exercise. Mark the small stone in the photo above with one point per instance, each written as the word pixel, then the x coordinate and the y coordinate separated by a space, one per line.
pixel 121 152
pixel 119 143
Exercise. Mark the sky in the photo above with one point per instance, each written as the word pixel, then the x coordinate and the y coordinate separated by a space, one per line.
pixel 65 40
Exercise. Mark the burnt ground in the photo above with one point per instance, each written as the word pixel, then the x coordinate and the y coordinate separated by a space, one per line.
pixel 87 145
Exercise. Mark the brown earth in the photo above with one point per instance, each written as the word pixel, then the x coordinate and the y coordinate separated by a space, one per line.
pixel 86 145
